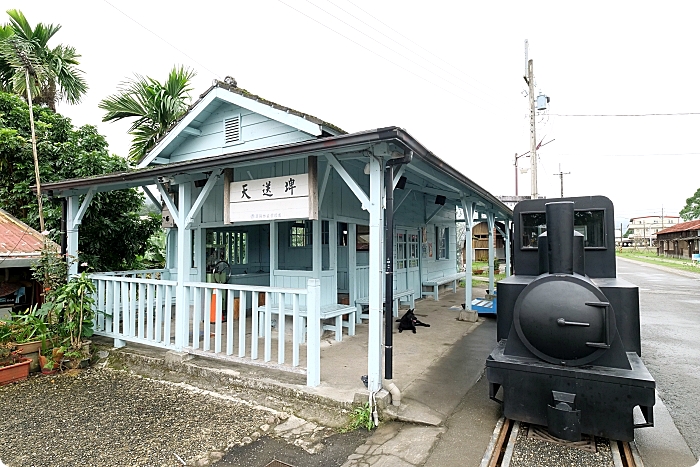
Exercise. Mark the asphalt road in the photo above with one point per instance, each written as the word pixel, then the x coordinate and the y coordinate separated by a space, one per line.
pixel 670 322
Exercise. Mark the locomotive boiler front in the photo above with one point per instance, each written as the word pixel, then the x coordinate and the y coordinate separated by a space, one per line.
pixel 564 364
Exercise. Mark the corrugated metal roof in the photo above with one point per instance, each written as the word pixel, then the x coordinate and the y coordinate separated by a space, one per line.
pixel 147 175
pixel 17 239
pixel 692 225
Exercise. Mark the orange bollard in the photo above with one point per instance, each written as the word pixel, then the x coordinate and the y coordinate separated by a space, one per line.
pixel 212 308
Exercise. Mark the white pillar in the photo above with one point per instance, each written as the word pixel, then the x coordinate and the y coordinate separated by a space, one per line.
pixel 72 235
pixel 491 221
pixel 376 276
pixel 316 248
pixel 468 207
pixel 313 322
pixel 184 264
pixel 352 268
pixel 274 248
pixel 333 245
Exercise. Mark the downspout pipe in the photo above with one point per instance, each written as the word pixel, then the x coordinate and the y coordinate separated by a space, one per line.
pixel 389 290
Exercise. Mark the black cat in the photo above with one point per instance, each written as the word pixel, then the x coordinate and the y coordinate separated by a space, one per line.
pixel 409 321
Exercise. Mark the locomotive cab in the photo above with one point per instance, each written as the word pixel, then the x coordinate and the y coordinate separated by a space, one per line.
pixel 569 347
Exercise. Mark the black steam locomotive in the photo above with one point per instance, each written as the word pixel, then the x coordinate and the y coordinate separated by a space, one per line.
pixel 568 352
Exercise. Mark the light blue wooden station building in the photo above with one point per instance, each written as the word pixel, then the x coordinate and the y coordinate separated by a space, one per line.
pixel 289 209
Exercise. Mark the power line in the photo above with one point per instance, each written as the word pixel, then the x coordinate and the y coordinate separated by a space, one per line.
pixel 381 56
pixel 631 155
pixel 407 48
pixel 162 39
pixel 628 115
pixel 417 44
pixel 391 49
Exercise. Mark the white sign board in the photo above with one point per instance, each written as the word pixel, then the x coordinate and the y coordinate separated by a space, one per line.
pixel 267 199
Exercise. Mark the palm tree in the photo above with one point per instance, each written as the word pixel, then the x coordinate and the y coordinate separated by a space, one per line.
pixel 155 105
pixel 62 79
pixel 25 70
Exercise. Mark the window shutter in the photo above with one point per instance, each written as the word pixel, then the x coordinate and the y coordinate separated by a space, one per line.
pixel 232 130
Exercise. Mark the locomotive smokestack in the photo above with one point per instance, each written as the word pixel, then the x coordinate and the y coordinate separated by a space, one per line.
pixel 560 237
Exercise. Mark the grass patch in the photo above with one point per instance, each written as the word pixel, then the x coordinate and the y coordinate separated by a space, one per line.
pixel 360 417
pixel 649 256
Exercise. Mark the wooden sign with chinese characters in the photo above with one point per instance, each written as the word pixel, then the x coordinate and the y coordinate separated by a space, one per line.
pixel 274 198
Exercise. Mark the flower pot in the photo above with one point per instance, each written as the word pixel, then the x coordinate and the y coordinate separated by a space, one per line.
pixel 43 362
pixel 28 347
pixel 57 354
pixel 30 350
pixel 78 364
pixel 17 372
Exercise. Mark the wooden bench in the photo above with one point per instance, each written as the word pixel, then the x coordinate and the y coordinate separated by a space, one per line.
pixel 333 311
pixel 437 282
pixel 398 295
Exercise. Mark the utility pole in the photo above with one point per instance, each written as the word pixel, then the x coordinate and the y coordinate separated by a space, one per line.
pixel 530 80
pixel 561 179
pixel 620 237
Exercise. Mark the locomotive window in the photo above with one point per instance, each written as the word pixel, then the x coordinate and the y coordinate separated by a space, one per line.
pixel 589 222
pixel 533 224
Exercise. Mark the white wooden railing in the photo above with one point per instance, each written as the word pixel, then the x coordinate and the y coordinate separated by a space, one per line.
pixel 140 273
pixel 132 309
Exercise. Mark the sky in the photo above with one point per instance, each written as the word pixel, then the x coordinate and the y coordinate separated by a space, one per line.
pixel 450 73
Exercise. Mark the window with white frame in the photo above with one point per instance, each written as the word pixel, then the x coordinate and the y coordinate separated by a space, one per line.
pixel 412 243
pixel 300 234
pixel 227 245
pixel 442 242
pixel 400 250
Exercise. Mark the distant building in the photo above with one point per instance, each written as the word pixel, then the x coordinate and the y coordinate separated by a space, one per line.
pixel 680 240
pixel 619 238
pixel 645 228
pixel 20 247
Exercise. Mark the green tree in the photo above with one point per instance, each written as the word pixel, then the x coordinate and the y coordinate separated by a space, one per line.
pixel 61 80
pixel 691 210
pixel 154 105
pixel 112 234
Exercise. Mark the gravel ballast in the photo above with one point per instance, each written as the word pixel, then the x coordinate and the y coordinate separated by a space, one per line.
pixel 102 417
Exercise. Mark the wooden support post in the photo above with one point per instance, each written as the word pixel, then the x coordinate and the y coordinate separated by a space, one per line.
pixel 72 235
pixel 468 207
pixel 491 222
pixel 376 268
pixel 313 322
pixel 184 262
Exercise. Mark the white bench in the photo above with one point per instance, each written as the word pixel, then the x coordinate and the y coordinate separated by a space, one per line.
pixel 409 295
pixel 438 281
pixel 331 311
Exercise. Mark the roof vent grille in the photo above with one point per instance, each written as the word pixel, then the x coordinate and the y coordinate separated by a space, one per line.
pixel 232 129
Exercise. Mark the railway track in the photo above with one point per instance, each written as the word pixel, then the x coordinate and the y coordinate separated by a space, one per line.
pixel 516 444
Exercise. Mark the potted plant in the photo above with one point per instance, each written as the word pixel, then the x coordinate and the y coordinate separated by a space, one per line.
pixel 74 304
pixel 50 358
pixel 13 366
pixel 28 331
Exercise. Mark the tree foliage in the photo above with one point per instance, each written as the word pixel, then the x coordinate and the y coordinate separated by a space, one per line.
pixel 691 210
pixel 56 75
pixel 154 105
pixel 112 233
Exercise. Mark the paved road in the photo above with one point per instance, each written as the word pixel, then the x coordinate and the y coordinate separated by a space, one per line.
pixel 670 321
